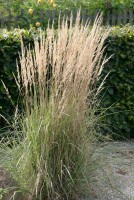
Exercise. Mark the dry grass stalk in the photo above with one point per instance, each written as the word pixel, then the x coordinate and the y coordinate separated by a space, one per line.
pixel 56 76
pixel 74 56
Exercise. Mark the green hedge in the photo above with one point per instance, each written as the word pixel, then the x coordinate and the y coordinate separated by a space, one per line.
pixel 118 89
pixel 9 48
pixel 119 86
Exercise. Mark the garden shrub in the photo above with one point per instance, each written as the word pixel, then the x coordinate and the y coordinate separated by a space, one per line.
pixel 119 87
pixel 119 90
pixel 10 47
pixel 27 13
pixel 14 6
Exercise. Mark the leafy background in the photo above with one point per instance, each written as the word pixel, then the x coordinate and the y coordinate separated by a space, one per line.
pixel 119 86
pixel 14 5
pixel 14 8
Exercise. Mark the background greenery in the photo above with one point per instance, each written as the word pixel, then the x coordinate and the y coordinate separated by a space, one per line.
pixel 26 20
pixel 118 93
pixel 119 86
pixel 14 5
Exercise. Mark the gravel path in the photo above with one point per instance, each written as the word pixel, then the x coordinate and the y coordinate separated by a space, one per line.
pixel 115 179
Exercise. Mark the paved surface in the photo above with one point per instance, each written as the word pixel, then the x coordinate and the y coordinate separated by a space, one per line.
pixel 115 179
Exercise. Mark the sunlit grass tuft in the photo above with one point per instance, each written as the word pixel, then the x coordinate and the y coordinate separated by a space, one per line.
pixel 54 140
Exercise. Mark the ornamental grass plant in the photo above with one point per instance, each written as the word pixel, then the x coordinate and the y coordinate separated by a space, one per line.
pixel 54 137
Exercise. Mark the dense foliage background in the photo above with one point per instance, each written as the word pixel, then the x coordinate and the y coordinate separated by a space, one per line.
pixel 19 9
pixel 119 87
pixel 15 5
pixel 118 93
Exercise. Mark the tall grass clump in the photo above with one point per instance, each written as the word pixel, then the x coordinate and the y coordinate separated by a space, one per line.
pixel 53 137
